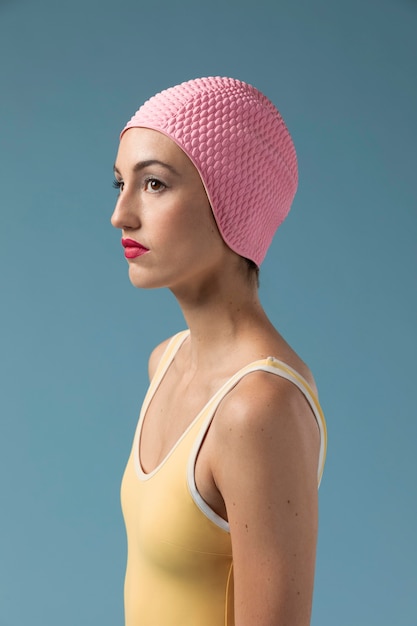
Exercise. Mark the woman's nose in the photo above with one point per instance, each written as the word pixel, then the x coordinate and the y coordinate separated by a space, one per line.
pixel 125 215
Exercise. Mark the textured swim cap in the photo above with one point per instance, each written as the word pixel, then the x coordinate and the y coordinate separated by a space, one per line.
pixel 242 150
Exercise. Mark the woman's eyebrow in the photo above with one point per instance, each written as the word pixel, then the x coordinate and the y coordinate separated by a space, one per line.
pixel 144 164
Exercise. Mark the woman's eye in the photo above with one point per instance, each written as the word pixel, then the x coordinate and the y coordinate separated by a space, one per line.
pixel 153 185
pixel 118 184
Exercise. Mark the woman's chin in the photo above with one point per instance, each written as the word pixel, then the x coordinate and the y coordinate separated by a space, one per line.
pixel 142 279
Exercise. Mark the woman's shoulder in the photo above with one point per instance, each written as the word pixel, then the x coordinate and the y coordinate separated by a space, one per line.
pixel 158 352
pixel 156 356
pixel 266 421
pixel 273 345
pixel 265 403
pixel 261 397
pixel 300 368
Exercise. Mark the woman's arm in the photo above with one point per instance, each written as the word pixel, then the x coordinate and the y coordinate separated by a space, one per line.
pixel 267 448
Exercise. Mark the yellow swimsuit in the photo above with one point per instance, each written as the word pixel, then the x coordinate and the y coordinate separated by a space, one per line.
pixel 179 564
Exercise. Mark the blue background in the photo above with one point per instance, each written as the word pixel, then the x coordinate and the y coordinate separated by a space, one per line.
pixel 339 282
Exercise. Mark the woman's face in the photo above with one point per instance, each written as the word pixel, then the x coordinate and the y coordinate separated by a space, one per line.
pixel 164 213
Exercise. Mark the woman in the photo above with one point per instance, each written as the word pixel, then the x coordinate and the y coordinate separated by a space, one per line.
pixel 220 491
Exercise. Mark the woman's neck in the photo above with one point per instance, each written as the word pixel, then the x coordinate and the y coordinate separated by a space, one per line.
pixel 221 315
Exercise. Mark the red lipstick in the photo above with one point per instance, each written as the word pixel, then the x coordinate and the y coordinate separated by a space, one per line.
pixel 133 248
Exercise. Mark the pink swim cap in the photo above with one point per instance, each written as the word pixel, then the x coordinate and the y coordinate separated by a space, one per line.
pixel 239 143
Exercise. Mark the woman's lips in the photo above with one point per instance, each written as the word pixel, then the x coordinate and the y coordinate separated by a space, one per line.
pixel 133 248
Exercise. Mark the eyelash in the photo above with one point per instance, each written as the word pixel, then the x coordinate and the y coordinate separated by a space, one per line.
pixel 118 184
